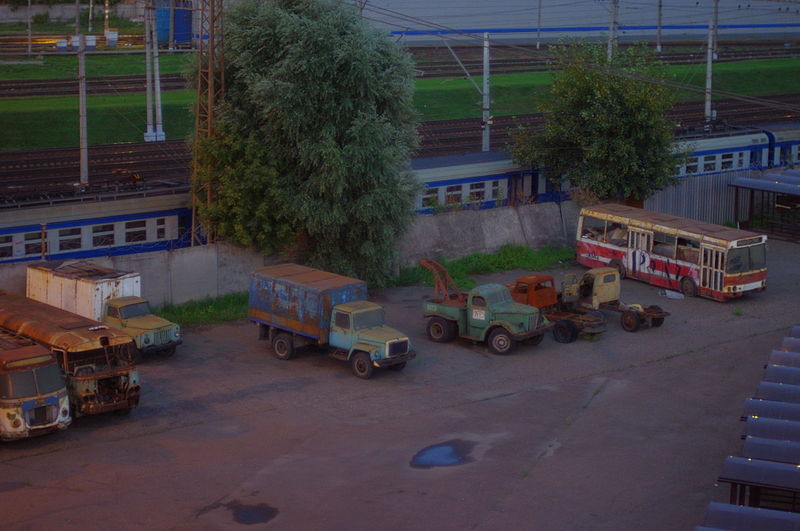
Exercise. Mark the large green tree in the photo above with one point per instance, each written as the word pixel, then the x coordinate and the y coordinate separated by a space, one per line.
pixel 605 132
pixel 315 136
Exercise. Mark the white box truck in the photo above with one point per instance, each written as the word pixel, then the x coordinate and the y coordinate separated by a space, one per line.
pixel 107 295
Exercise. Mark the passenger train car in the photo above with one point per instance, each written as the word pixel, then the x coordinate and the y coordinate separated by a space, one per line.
pixel 467 181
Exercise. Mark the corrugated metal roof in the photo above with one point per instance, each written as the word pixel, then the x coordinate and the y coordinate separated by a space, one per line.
pixel 772 182
pixel 458 160
pixel 83 269
pixel 771 450
pixel 778 429
pixel 308 277
pixel 782 374
pixel 783 357
pixel 778 392
pixel 791 344
pixel 744 470
pixel 740 518
pixel 754 407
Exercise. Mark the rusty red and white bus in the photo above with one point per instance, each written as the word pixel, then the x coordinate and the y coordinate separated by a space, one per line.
pixel 693 257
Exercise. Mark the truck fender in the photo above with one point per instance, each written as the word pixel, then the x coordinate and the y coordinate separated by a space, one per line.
pixel 361 347
pixel 491 326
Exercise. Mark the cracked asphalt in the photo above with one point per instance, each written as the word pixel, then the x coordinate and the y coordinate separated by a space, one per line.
pixel 625 432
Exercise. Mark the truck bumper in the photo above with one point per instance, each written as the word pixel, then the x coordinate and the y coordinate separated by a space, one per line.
pixel 156 349
pixel 527 335
pixel 395 360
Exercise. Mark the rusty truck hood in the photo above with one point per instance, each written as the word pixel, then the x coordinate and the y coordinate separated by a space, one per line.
pixel 147 322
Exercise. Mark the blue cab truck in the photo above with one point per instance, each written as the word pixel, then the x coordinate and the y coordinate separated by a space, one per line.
pixel 295 305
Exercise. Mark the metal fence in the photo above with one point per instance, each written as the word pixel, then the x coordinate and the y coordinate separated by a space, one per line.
pixel 704 197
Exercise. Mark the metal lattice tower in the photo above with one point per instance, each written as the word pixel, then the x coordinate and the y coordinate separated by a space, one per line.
pixel 210 89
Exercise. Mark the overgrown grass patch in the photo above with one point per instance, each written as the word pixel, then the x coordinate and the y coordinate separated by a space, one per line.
pixel 508 257
pixel 228 307
pixel 66 66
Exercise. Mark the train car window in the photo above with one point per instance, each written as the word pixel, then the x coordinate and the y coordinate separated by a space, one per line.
pixel 784 156
pixel 741 161
pixel 477 191
pixel 452 194
pixel 69 239
pixel 103 235
pixel 710 163
pixel 431 197
pixel 135 231
pixel 498 192
pixel 727 161
pixel 6 246
pixel 691 165
pixel 33 243
pixel 161 228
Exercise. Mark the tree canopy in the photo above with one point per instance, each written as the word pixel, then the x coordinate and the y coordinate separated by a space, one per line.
pixel 314 137
pixel 605 133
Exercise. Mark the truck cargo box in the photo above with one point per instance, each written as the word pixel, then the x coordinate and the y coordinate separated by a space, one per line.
pixel 299 299
pixel 80 287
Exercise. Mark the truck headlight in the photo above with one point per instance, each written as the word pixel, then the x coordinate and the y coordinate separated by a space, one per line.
pixel 146 339
pixel 177 333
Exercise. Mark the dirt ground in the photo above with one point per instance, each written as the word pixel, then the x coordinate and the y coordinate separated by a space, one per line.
pixel 625 432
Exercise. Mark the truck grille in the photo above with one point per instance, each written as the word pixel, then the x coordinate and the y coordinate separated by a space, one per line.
pixel 534 322
pixel 39 416
pixel 163 336
pixel 398 347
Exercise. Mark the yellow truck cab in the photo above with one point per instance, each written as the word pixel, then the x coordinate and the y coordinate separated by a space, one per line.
pixel 152 333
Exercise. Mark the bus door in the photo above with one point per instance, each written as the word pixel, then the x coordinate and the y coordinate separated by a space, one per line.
pixel 640 243
pixel 712 268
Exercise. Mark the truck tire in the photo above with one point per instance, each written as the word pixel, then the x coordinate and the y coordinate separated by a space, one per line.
pixel 655 322
pixel 629 321
pixel 500 342
pixel 565 331
pixel 362 365
pixel 441 330
pixel 283 346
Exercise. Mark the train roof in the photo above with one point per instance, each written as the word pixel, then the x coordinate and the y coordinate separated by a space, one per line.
pixel 787 182
pixel 54 326
pixel 648 217
pixel 458 160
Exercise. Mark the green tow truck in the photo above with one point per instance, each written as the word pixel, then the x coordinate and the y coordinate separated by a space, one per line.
pixel 487 314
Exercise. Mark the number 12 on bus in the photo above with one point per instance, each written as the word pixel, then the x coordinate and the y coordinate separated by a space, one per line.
pixel 693 257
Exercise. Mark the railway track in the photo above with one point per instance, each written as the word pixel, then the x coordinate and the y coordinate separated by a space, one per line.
pixel 55 173
pixel 430 62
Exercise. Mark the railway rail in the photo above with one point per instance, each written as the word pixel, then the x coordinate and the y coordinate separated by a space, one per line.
pixel 54 174
pixel 430 61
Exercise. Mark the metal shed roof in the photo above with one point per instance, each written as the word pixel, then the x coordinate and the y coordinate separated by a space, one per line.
pixel 783 357
pixel 771 450
pixel 747 471
pixel 778 392
pixel 769 183
pixel 779 429
pixel 741 518
pixel 782 374
pixel 754 407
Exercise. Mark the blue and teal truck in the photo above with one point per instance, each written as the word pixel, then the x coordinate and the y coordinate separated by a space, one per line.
pixel 295 306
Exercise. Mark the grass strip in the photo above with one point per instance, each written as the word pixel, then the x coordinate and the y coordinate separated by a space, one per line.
pixel 234 305
pixel 66 66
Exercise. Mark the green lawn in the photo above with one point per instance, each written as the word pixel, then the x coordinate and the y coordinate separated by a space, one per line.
pixel 66 66
pixel 52 121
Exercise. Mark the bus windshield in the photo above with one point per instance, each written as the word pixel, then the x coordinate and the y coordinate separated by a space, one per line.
pixel 743 259
pixel 30 383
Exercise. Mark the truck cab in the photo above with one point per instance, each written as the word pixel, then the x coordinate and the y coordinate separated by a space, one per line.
pixel 359 335
pixel 151 333
pixel 596 287
pixel 537 290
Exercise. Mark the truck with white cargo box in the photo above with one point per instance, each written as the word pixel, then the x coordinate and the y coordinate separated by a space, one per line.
pixel 107 295
pixel 295 305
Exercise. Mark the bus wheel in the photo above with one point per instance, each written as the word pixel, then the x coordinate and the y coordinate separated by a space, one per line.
pixel 688 287
pixel 616 264
pixel 630 321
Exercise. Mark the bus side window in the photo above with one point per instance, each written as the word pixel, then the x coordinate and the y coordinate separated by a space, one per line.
pixel 688 250
pixel 664 244
pixel 617 234
pixel 593 228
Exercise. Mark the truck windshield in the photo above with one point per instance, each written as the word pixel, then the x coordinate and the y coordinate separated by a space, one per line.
pixel 25 384
pixel 502 295
pixel 134 310
pixel 368 319
pixel 743 259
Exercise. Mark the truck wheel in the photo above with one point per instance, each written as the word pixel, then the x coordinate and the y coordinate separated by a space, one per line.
pixel 500 341
pixel 362 365
pixel 440 330
pixel 616 264
pixel 688 287
pixel 565 331
pixel 398 367
pixel 630 321
pixel 655 322
pixel 283 346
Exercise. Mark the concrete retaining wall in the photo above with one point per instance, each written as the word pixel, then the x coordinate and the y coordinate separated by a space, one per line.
pixel 212 270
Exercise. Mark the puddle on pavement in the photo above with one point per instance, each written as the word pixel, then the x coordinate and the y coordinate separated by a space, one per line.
pixel 244 514
pixel 450 453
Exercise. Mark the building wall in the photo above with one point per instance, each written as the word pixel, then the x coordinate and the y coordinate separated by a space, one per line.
pixel 212 270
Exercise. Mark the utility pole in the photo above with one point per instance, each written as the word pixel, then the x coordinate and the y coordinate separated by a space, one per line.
pixel 149 134
pixel 91 15
pixel 709 114
pixel 538 24
pixel 486 119
pixel 612 28
pixel 715 48
pixel 30 43
pixel 159 134
pixel 171 38
pixel 106 9
pixel 77 17
pixel 658 31
pixel 84 136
